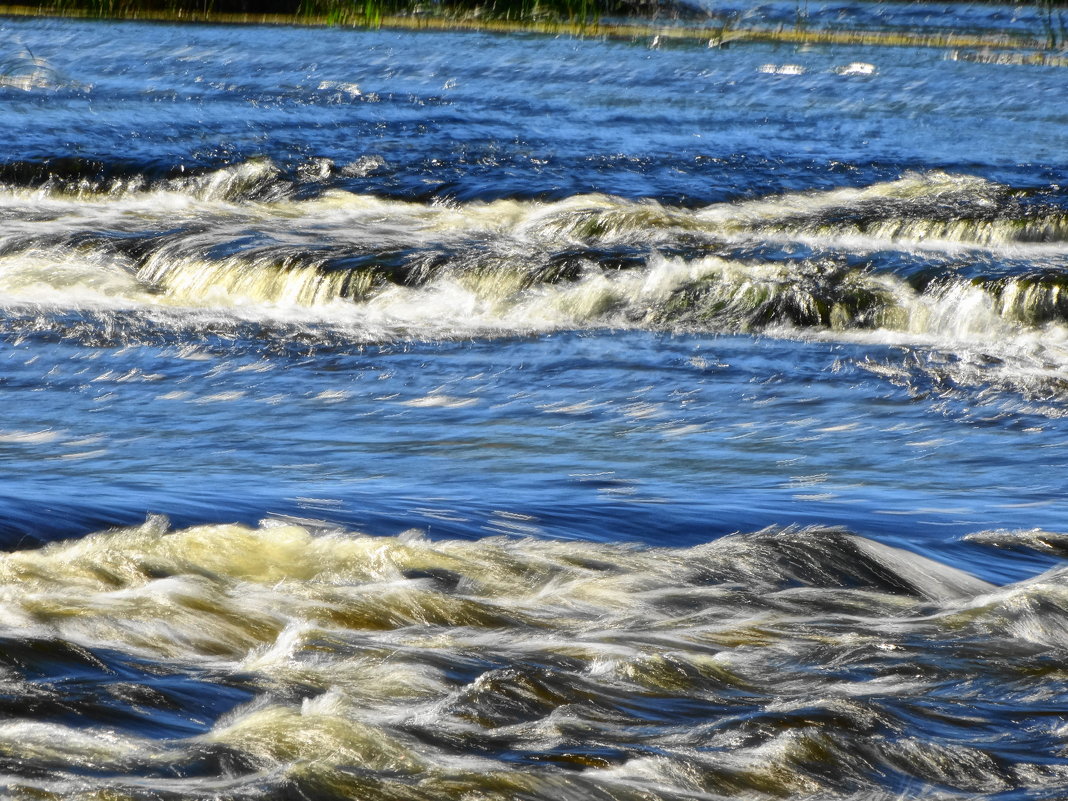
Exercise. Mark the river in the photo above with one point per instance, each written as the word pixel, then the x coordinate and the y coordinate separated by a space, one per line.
pixel 394 415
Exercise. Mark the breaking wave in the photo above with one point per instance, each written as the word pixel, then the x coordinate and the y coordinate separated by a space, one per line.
pixel 928 258
pixel 289 659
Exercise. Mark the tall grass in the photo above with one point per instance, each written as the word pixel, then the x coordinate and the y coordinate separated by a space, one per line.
pixel 613 18
pixel 132 8
pixel 571 11
pixel 355 12
pixel 1053 21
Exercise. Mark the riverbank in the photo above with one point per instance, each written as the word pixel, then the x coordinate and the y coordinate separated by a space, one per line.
pixel 657 32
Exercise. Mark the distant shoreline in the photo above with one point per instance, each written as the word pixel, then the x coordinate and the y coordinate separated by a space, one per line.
pixel 1035 49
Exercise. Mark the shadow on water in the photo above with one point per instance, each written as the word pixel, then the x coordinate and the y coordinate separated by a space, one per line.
pixel 71 685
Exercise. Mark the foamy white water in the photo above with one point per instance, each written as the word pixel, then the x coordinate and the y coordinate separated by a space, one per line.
pixel 395 416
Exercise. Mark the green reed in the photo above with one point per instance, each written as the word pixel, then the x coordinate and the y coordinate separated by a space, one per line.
pixel 654 20
pixel 1053 21
pixel 581 12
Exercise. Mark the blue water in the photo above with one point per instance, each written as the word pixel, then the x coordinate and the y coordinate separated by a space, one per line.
pixel 958 18
pixel 394 415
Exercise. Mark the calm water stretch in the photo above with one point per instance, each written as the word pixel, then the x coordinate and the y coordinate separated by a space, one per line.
pixel 454 416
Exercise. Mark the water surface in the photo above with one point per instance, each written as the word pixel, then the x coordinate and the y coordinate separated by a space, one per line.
pixel 394 415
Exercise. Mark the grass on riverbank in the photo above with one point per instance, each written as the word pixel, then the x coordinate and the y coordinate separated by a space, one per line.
pixel 659 21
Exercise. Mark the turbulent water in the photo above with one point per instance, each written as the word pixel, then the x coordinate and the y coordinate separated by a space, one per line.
pixel 440 416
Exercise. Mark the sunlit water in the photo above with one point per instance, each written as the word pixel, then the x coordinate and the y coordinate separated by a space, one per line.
pixel 396 416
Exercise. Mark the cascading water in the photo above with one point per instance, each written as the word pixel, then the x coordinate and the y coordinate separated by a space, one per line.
pixel 452 416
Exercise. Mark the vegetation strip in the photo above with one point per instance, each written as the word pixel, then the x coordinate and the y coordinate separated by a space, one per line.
pixel 714 36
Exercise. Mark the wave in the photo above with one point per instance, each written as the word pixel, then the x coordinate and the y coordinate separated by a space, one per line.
pixel 332 664
pixel 483 291
pixel 74 178
pixel 903 256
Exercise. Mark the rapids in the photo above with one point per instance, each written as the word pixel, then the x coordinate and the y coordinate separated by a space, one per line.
pixel 456 416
